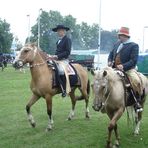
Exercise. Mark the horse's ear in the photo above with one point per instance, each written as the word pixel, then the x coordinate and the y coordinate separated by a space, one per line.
pixel 94 72
pixel 33 44
pixel 104 73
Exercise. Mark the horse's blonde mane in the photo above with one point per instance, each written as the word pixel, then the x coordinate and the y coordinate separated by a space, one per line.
pixel 111 74
pixel 43 54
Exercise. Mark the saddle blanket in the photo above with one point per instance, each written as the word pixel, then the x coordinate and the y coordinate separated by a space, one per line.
pixel 72 74
pixel 65 67
pixel 70 70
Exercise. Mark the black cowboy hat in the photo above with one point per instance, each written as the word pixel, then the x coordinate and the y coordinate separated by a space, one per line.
pixel 60 27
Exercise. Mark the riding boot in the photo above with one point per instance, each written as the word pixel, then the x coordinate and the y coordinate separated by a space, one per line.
pixel 63 83
pixel 137 106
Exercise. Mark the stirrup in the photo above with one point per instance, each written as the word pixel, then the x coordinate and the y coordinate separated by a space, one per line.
pixel 138 108
pixel 127 85
pixel 64 94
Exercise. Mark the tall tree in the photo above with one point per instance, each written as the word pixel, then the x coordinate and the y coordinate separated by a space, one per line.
pixel 83 36
pixel 85 31
pixel 48 20
pixel 108 39
pixel 74 32
pixel 6 37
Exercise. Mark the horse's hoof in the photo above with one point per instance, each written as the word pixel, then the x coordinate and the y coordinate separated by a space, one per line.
pixel 136 134
pixel 109 145
pixel 48 129
pixel 87 117
pixel 33 124
pixel 117 143
pixel 115 146
pixel 69 119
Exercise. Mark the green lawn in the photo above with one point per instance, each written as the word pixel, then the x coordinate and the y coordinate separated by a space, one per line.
pixel 15 131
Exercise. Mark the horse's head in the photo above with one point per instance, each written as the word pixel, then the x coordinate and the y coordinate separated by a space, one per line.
pixel 26 55
pixel 99 86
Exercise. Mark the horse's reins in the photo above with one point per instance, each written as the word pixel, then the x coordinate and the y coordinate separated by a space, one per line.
pixel 121 75
pixel 37 65
pixel 106 96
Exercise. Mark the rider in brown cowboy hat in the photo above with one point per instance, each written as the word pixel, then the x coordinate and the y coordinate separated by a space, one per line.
pixel 124 57
pixel 62 52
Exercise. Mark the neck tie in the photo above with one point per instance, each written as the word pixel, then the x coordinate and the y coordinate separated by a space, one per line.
pixel 59 41
pixel 120 47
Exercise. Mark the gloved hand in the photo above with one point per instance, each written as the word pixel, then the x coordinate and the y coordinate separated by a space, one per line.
pixel 120 67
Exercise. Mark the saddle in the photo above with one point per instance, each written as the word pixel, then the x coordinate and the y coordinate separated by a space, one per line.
pixel 130 96
pixel 74 79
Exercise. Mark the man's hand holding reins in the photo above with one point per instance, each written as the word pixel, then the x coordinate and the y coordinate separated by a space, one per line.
pixel 120 67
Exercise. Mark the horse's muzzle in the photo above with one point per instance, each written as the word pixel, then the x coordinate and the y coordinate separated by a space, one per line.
pixel 18 64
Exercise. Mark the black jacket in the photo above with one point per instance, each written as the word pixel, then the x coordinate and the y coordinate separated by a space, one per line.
pixel 128 55
pixel 63 48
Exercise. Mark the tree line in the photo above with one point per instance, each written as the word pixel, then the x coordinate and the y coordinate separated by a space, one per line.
pixel 83 35
pixel 6 37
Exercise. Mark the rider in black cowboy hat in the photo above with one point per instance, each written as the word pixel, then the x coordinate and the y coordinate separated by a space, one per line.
pixel 62 52
pixel 63 44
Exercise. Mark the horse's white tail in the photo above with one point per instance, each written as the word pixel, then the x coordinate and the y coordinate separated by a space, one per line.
pixel 130 116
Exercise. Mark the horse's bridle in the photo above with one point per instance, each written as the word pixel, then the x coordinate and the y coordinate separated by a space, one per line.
pixel 32 65
pixel 106 94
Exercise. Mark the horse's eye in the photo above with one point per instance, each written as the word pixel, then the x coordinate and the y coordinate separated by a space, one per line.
pixel 103 86
pixel 26 51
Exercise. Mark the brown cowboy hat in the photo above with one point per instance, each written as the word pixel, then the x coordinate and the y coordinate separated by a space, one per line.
pixel 60 27
pixel 124 31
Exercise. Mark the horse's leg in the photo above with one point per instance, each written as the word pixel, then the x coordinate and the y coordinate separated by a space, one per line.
pixel 113 125
pixel 138 117
pixel 116 117
pixel 110 129
pixel 49 112
pixel 28 106
pixel 85 96
pixel 117 135
pixel 137 122
pixel 73 102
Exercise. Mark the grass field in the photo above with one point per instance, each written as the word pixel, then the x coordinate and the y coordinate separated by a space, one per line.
pixel 15 131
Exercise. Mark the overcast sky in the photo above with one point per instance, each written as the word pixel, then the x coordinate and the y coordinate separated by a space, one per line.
pixel 115 13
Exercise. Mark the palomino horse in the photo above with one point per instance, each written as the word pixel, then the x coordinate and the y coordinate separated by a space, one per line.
pixel 109 93
pixel 41 83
